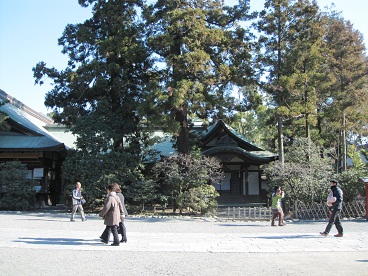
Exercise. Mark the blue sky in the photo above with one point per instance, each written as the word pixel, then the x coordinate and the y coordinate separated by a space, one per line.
pixel 29 30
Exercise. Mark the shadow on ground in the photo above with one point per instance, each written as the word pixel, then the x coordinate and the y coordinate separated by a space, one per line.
pixel 58 241
pixel 281 237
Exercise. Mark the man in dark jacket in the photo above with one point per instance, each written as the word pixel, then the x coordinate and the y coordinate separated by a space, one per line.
pixel 334 201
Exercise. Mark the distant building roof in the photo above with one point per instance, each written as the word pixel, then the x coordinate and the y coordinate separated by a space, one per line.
pixel 221 139
pixel 220 124
pixel 13 101
pixel 27 131
pixel 238 146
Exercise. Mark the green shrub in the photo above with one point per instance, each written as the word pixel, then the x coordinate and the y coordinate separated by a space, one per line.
pixel 16 191
pixel 200 199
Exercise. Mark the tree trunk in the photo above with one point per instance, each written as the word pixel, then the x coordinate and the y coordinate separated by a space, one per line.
pixel 280 141
pixel 183 144
pixel 343 144
pixel 307 125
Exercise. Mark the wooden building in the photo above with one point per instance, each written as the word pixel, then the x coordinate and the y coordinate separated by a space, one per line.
pixel 243 162
pixel 26 140
pixel 42 146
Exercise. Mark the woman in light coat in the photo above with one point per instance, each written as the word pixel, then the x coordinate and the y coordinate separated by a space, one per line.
pixel 112 213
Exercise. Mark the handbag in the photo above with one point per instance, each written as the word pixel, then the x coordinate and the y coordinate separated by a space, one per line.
pixel 83 201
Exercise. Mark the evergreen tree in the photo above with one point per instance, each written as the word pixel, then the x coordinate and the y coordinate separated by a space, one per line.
pixel 347 101
pixel 275 39
pixel 306 60
pixel 202 51
pixel 98 94
pixel 294 60
pixel 255 113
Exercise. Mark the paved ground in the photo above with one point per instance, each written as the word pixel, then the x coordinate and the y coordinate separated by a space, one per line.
pixel 49 244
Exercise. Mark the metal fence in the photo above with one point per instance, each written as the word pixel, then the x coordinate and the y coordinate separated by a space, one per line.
pixel 301 211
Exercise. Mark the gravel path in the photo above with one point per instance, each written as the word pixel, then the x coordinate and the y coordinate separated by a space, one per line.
pixel 49 244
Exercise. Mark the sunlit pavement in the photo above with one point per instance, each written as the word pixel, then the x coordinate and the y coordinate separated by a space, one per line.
pixel 50 237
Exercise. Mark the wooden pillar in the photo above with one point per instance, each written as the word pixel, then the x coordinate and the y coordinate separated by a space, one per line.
pixel 365 181
pixel 366 200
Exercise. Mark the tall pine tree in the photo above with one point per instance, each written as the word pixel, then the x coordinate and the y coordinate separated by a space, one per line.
pixel 99 92
pixel 201 52
pixel 347 103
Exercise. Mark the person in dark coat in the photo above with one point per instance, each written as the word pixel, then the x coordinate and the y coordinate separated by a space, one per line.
pixel 112 213
pixel 334 202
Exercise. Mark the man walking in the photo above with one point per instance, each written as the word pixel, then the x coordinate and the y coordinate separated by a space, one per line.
pixel 334 201
pixel 77 202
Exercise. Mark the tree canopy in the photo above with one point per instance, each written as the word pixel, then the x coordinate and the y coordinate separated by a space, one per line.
pixel 298 71
pixel 202 51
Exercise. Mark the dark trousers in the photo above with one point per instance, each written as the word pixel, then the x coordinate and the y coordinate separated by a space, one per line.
pixel 334 219
pixel 107 232
pixel 122 231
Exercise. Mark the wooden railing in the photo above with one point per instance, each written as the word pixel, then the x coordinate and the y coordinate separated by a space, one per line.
pixel 250 213
pixel 301 210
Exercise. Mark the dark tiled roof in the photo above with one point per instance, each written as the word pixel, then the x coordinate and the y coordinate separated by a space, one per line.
pixel 29 143
pixel 32 137
pixel 255 157
pixel 249 152
pixel 231 130
pixel 13 101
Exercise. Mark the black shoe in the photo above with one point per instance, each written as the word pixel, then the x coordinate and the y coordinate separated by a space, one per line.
pixel 115 244
pixel 104 241
pixel 124 240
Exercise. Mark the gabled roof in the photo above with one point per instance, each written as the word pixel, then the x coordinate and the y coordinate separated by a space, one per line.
pixel 253 157
pixel 219 127
pixel 241 148
pixel 27 131
pixel 4 97
pixel 228 141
